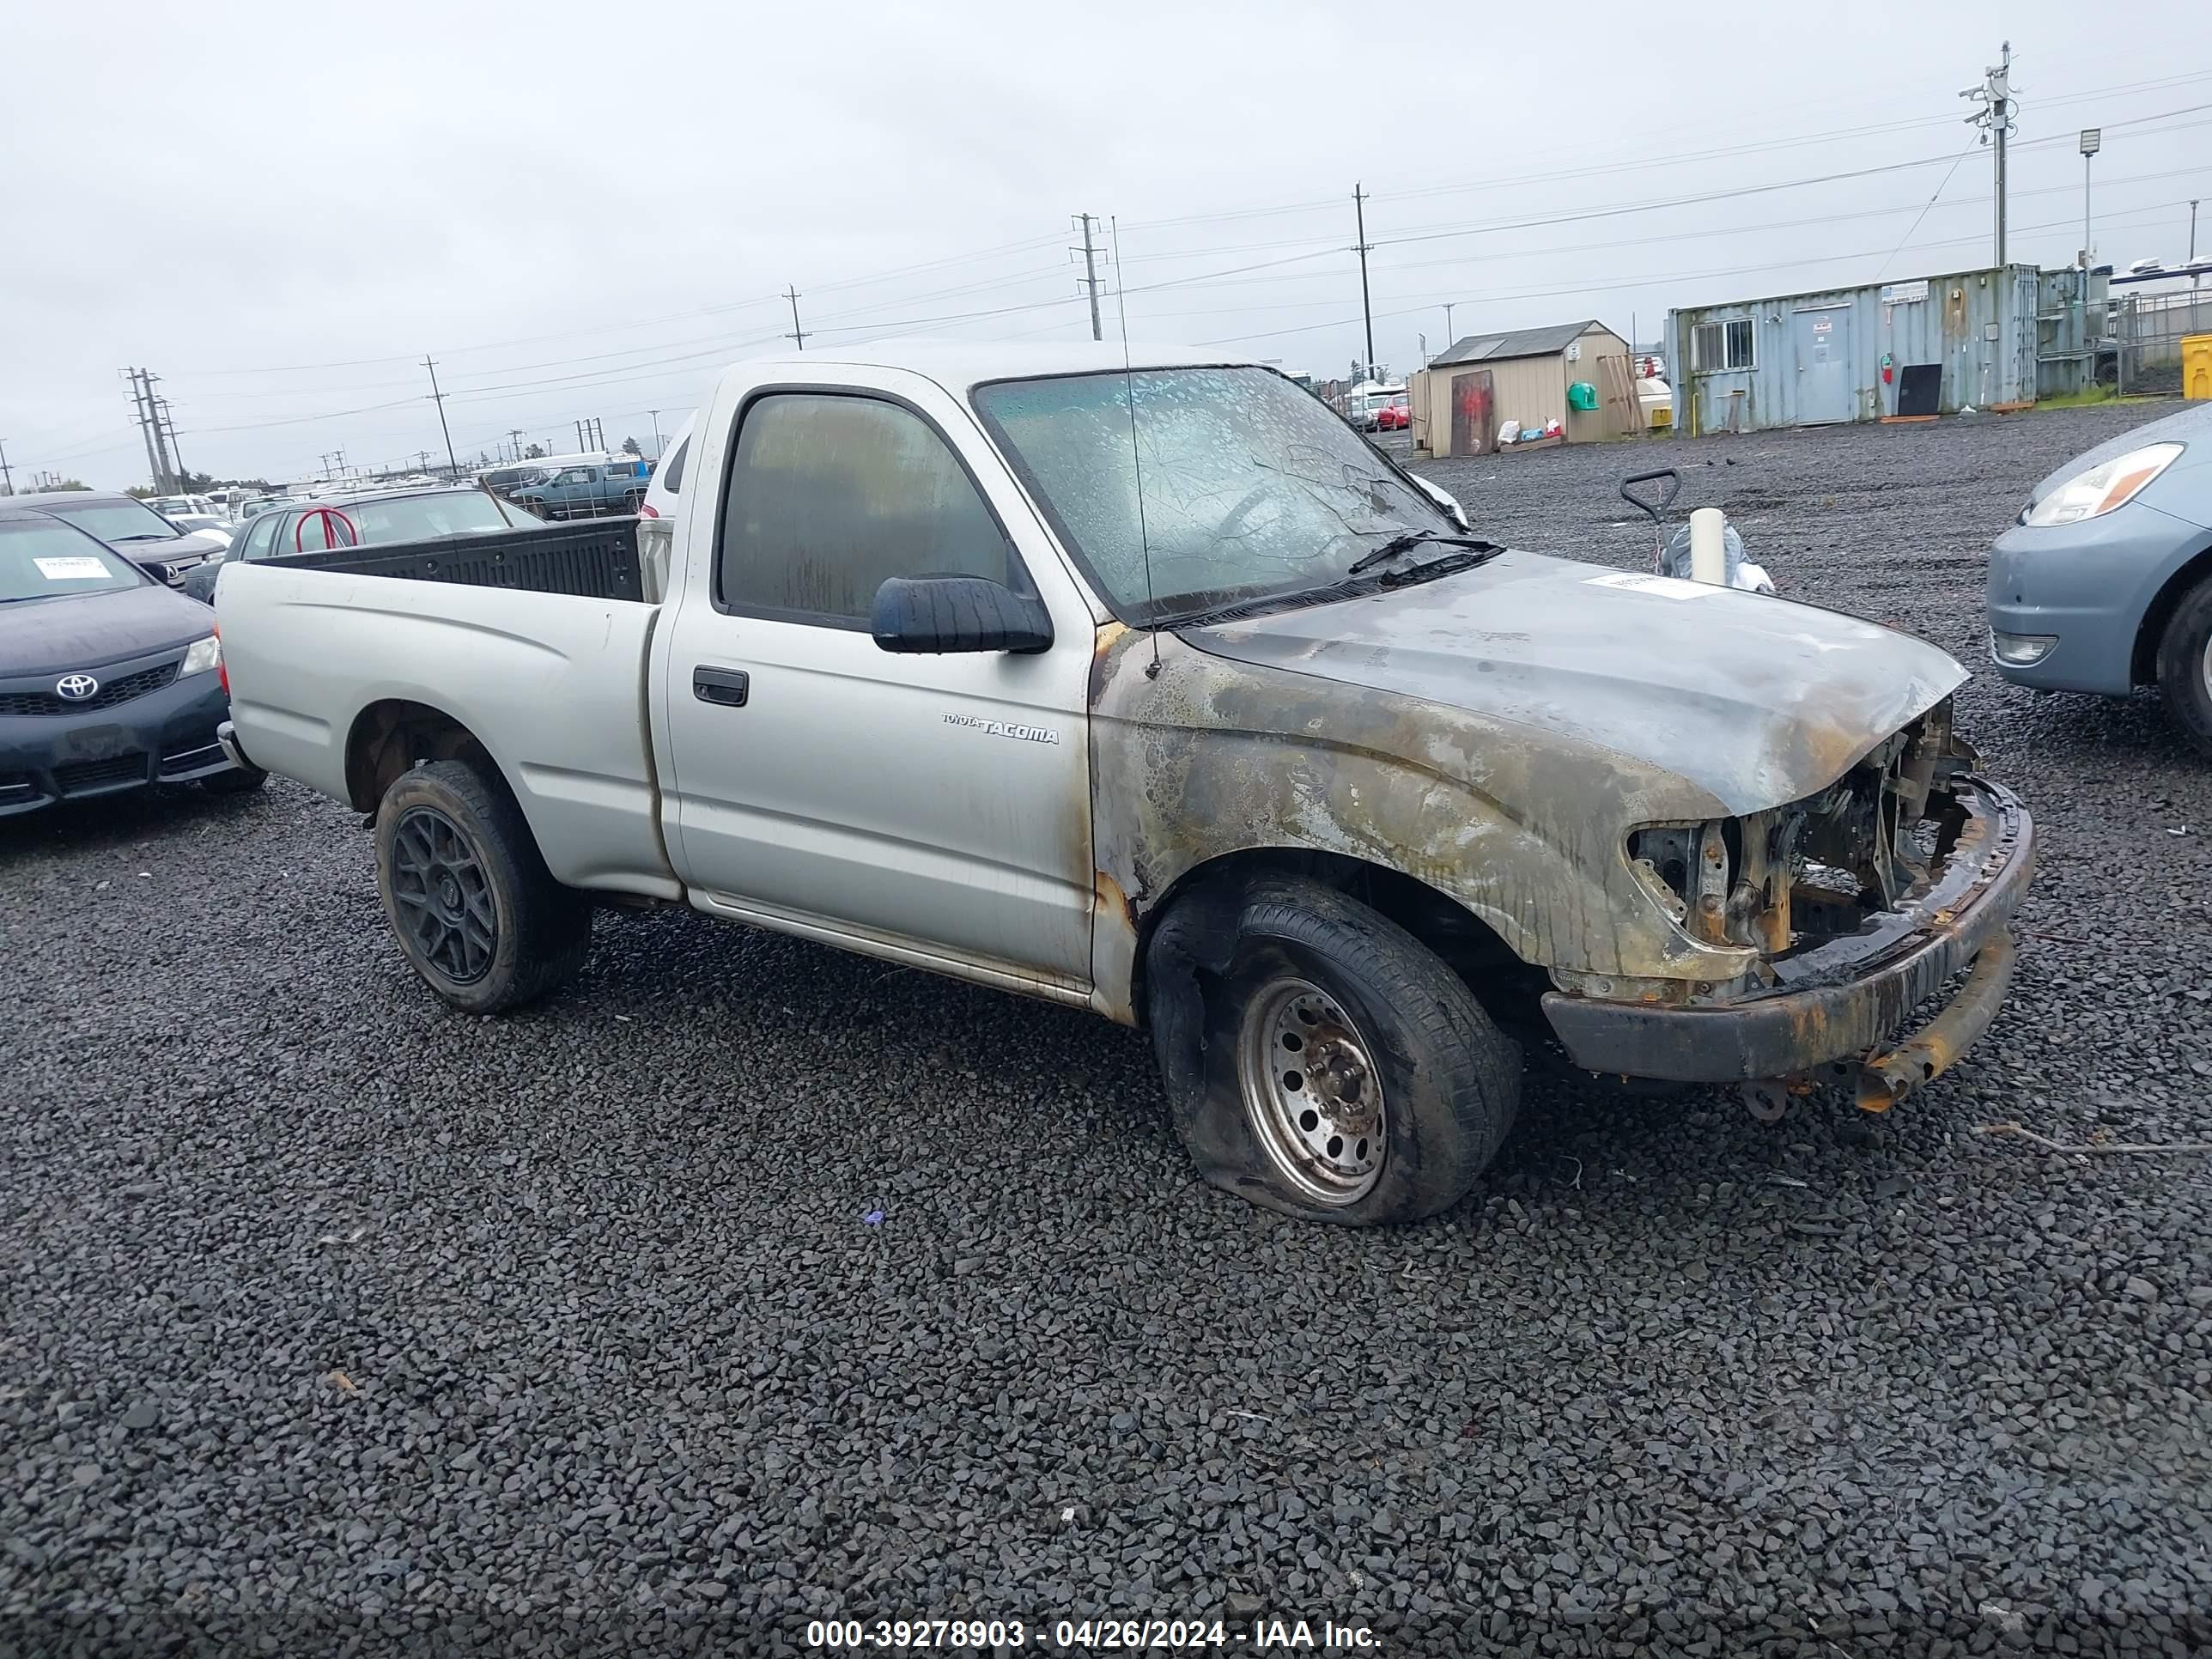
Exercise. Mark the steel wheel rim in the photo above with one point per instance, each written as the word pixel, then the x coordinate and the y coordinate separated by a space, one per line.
pixel 1312 1092
pixel 442 896
pixel 2204 667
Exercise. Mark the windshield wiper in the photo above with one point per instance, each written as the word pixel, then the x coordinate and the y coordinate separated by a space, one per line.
pixel 1412 539
pixel 1449 565
pixel 147 536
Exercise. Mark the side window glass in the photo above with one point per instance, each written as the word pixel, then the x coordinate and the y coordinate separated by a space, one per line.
pixel 672 471
pixel 830 497
pixel 263 536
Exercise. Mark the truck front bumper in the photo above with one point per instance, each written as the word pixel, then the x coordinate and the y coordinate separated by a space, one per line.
pixel 1838 1004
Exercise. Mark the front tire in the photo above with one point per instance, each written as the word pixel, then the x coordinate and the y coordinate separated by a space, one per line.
pixel 2184 666
pixel 477 914
pixel 1325 1063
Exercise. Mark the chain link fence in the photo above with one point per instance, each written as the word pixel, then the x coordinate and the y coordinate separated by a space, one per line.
pixel 2145 335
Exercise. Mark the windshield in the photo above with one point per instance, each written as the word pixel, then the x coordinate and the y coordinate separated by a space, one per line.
pixel 1252 488
pixel 42 561
pixel 411 518
pixel 116 521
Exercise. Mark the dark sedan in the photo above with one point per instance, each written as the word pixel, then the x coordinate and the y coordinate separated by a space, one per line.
pixel 132 528
pixel 363 520
pixel 108 681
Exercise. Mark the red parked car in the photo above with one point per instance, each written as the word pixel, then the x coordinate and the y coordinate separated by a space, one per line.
pixel 1396 416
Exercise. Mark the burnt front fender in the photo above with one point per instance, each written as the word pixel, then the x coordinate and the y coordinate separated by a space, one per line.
pixel 1196 757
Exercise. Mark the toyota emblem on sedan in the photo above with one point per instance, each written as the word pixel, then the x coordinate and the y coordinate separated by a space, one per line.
pixel 76 688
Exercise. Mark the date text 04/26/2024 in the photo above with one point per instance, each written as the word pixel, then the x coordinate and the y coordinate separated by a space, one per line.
pixel 1091 1635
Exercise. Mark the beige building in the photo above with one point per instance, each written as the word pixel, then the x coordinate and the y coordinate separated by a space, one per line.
pixel 1460 399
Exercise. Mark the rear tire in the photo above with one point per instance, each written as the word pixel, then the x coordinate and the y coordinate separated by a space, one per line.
pixel 1324 1062
pixel 467 892
pixel 2184 666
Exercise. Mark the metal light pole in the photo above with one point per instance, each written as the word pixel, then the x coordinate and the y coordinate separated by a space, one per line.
pixel 2194 276
pixel 1450 339
pixel 2092 140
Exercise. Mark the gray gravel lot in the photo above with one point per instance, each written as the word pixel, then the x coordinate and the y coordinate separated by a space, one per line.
pixel 336 1322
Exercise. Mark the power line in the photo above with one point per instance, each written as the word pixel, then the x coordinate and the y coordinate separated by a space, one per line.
pixel 1922 214
pixel 1612 281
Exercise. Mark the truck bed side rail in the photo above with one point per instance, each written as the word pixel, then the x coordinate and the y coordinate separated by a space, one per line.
pixel 591 558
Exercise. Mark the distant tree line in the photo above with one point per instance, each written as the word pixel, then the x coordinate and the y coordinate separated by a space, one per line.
pixel 199 483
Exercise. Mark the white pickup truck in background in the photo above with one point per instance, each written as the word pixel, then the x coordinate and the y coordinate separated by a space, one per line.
pixel 1157 690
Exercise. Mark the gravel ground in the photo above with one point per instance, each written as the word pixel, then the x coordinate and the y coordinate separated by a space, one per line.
pixel 746 1282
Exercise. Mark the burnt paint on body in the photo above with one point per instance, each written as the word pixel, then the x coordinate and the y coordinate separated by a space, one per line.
pixel 1489 738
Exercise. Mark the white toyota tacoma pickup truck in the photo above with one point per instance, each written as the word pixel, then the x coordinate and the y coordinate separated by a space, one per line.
pixel 1157 690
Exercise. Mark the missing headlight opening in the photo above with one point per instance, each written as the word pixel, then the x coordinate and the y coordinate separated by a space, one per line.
pixel 1816 869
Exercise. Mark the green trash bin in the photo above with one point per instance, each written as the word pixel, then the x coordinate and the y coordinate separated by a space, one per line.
pixel 1582 395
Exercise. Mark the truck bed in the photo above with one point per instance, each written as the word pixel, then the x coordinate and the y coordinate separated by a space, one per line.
pixel 590 559
pixel 535 642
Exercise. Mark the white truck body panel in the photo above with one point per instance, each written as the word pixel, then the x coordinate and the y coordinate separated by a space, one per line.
pixel 539 678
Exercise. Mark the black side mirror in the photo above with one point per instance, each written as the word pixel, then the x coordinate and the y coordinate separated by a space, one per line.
pixel 958 613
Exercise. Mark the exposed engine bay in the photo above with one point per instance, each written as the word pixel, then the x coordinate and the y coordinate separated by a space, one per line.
pixel 1797 876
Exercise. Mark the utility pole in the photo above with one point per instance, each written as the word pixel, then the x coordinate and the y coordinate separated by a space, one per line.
pixel 656 432
pixel 438 398
pixel 2194 276
pixel 1995 117
pixel 1366 309
pixel 515 433
pixel 797 332
pixel 1451 338
pixel 176 450
pixel 166 473
pixel 145 430
pixel 7 478
pixel 2092 140
pixel 1090 273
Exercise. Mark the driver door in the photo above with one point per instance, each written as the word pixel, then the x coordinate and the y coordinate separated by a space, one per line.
pixel 936 807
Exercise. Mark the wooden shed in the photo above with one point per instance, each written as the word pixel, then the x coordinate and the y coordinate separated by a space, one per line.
pixel 1462 398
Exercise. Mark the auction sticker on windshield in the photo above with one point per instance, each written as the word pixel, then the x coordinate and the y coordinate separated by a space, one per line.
pixel 75 568
pixel 1665 587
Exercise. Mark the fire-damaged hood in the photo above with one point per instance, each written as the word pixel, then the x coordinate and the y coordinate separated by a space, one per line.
pixel 1756 700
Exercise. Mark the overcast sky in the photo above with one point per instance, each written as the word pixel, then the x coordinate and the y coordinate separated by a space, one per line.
pixel 583 210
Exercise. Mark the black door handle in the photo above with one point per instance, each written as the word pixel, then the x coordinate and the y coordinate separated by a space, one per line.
pixel 727 686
